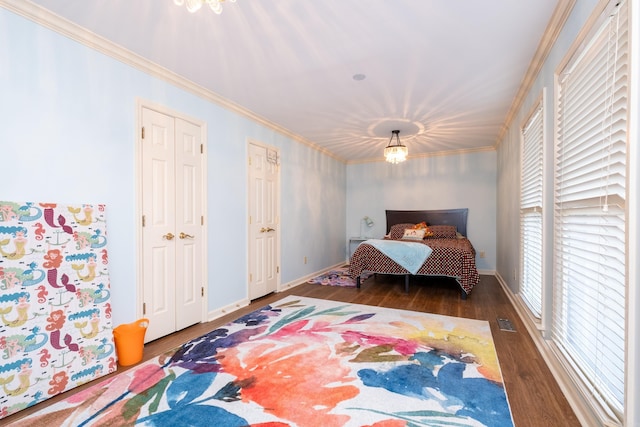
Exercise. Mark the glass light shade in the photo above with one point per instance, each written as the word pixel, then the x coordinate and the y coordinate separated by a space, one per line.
pixel 193 5
pixel 396 153
pixel 216 6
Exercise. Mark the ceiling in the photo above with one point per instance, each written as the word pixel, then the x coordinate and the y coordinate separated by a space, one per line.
pixel 445 73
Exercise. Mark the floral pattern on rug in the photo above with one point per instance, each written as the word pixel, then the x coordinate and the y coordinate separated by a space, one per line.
pixel 338 277
pixel 308 362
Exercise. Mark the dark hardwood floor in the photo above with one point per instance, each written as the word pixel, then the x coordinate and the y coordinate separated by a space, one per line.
pixel 534 396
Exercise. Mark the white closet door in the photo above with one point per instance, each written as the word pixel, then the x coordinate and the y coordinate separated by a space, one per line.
pixel 189 228
pixel 263 222
pixel 172 233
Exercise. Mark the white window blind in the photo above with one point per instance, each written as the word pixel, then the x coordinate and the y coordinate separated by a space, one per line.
pixel 531 212
pixel 589 212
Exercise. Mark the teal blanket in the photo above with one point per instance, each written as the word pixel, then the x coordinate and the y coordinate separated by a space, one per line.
pixel 410 255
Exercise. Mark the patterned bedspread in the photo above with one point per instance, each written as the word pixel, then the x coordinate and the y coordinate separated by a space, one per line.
pixel 450 257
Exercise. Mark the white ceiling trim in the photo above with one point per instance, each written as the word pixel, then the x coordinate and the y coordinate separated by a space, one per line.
pixel 433 154
pixel 75 32
pixel 62 26
pixel 549 37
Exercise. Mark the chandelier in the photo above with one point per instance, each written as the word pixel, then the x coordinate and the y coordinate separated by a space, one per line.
pixel 194 5
pixel 395 153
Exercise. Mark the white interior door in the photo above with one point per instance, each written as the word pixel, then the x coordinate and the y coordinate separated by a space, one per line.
pixel 158 225
pixel 263 220
pixel 172 223
pixel 189 222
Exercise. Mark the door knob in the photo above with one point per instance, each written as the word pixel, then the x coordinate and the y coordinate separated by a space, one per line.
pixel 271 229
pixel 184 235
pixel 168 236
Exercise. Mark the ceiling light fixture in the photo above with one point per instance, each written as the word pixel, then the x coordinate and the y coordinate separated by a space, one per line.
pixel 194 5
pixel 395 153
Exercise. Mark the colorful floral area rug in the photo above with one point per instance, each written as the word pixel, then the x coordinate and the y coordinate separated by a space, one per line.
pixel 308 362
pixel 337 277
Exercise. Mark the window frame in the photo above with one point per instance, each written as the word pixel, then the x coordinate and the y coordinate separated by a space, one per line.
pixel 532 149
pixel 592 388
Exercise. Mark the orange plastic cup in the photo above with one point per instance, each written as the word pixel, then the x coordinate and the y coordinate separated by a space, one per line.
pixel 129 339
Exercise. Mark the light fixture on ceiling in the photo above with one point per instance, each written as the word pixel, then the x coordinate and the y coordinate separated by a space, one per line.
pixel 194 5
pixel 395 152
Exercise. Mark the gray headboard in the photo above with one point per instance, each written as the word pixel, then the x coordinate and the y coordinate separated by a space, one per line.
pixel 457 217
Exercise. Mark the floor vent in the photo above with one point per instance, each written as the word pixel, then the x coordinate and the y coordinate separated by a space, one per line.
pixel 506 325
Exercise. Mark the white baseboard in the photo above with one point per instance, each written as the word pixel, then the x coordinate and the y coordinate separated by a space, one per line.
pixel 230 308
pixel 301 280
pixel 217 313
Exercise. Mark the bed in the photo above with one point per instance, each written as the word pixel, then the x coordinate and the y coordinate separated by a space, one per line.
pixel 452 254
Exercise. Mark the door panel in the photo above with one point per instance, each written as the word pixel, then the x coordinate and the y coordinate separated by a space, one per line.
pixel 188 224
pixel 269 207
pixel 158 201
pixel 263 213
pixel 172 236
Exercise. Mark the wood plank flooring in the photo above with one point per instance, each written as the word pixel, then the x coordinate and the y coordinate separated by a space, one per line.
pixel 534 396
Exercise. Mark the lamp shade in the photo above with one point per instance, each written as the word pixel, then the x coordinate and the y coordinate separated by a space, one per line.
pixel 395 152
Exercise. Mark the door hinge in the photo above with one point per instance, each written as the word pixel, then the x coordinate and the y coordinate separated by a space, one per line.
pixel 143 221
pixel 202 291
pixel 144 308
pixel 201 148
pixel 201 219
pixel 142 133
pixel 249 161
pixel 278 269
pixel 250 277
pixel 249 219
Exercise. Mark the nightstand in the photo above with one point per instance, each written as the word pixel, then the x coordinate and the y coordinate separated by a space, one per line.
pixel 353 244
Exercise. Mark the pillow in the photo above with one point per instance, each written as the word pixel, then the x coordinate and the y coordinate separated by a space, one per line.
pixel 443 231
pixel 413 234
pixel 423 226
pixel 397 231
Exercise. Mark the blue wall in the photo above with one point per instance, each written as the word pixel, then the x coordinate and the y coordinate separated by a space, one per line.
pixel 68 136
pixel 438 182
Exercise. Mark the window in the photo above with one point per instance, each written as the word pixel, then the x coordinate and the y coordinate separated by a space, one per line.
pixel 589 212
pixel 531 212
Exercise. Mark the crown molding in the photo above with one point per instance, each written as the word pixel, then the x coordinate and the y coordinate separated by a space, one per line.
pixel 79 34
pixel 433 154
pixel 75 32
pixel 551 34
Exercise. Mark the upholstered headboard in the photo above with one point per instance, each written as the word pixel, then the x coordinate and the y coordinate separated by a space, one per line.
pixel 457 217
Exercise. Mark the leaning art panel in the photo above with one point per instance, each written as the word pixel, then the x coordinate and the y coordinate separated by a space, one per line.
pixel 55 311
